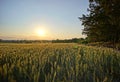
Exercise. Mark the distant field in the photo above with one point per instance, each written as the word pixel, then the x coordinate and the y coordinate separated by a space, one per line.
pixel 58 62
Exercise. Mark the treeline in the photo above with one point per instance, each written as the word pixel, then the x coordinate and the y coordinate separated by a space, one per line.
pixel 24 41
pixel 102 23
pixel 73 40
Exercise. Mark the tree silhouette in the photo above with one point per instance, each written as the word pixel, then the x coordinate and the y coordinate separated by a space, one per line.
pixel 103 21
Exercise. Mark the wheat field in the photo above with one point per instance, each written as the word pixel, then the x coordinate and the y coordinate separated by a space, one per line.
pixel 58 62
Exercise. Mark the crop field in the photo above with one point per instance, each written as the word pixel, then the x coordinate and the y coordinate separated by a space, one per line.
pixel 58 62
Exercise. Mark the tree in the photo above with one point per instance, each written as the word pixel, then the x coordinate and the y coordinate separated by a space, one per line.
pixel 0 40
pixel 103 21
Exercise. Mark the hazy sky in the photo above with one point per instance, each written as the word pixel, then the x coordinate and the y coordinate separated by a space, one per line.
pixel 21 19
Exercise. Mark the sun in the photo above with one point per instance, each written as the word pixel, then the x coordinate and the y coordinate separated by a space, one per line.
pixel 40 32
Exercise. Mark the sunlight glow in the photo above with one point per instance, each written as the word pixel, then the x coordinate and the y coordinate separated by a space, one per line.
pixel 40 32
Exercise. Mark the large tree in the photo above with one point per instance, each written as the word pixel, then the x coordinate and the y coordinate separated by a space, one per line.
pixel 103 21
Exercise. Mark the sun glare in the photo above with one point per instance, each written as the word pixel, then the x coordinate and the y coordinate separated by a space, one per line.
pixel 41 32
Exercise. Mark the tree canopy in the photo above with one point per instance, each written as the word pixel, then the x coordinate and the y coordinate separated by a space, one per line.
pixel 103 21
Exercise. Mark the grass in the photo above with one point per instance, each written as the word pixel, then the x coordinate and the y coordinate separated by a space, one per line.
pixel 58 62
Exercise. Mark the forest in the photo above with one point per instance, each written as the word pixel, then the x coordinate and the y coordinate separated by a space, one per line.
pixel 102 23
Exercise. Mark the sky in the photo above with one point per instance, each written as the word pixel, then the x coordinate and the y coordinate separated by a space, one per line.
pixel 41 19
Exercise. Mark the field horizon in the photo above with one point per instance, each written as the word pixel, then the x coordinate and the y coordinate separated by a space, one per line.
pixel 59 41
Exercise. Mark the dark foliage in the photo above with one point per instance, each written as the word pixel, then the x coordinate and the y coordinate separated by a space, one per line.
pixel 103 21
